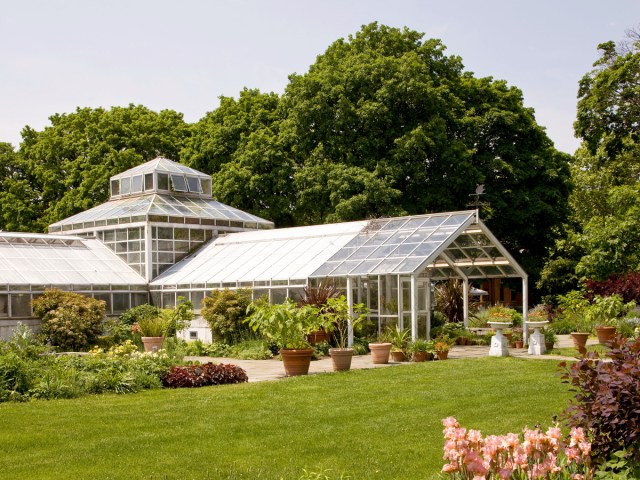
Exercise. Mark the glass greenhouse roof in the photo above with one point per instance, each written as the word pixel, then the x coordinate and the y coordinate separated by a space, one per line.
pixel 281 254
pixel 161 165
pixel 56 260
pixel 441 246
pixel 158 208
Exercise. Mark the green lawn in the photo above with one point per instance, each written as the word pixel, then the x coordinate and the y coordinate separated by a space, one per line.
pixel 374 424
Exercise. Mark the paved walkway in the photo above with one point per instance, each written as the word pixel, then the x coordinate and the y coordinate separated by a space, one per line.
pixel 262 370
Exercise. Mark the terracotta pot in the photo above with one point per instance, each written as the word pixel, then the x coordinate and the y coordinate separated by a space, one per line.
pixel 519 344
pixel 420 356
pixel 443 355
pixel 318 336
pixel 580 341
pixel 548 346
pixel 296 360
pixel 605 334
pixel 398 356
pixel 380 352
pixel 341 358
pixel 152 344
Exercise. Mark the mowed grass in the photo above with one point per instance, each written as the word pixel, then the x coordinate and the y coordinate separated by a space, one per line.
pixel 367 424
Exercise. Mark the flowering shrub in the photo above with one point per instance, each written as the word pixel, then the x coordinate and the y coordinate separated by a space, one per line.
pixel 533 456
pixel 191 376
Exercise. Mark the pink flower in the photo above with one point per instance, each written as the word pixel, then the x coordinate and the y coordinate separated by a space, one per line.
pixel 585 448
pixel 450 422
pixel 450 467
pixel 475 436
pixel 577 436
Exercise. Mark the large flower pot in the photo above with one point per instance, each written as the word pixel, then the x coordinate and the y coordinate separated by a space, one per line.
pixel 319 336
pixel 380 352
pixel 580 341
pixel 296 360
pixel 605 334
pixel 152 344
pixel 443 355
pixel 341 358
pixel 420 356
pixel 398 356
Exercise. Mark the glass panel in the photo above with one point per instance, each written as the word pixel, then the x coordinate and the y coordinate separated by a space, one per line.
pixel 125 185
pixel 121 235
pixel 115 187
pixel 394 224
pixel 181 233
pixel 379 238
pixel 139 299
pixel 362 252
pixel 135 233
pixel 178 183
pixel 120 302
pixel 165 257
pixel 20 305
pixel 404 249
pixel 106 297
pixel 196 299
pixel 206 185
pixel 148 181
pixel 345 268
pixel 163 181
pixel 197 235
pixel 168 300
pixel 165 233
pixel 410 264
pixel 194 184
pixel 365 267
pixel 342 254
pixel 433 221
pixel 425 249
pixel 4 306
pixel 136 185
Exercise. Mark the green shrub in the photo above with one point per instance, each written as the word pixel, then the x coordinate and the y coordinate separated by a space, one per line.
pixel 69 320
pixel 16 376
pixel 225 311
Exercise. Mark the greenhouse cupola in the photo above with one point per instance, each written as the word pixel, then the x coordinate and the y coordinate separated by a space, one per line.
pixel 158 213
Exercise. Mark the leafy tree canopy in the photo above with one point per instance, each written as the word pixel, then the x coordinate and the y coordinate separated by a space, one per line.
pixel 605 223
pixel 65 168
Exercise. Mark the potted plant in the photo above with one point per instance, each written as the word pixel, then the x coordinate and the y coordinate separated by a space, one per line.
pixel 317 297
pixel 604 312
pixel 442 348
pixel 336 319
pixel 422 350
pixel 155 325
pixel 549 338
pixel 380 349
pixel 399 339
pixel 287 325
pixel 517 338
pixel 572 308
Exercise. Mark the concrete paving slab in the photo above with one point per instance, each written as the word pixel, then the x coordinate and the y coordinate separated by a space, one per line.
pixel 264 370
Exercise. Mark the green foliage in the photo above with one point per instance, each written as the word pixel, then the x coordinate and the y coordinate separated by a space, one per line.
pixel 335 317
pixel 65 168
pixel 619 466
pixel 449 299
pixel 69 320
pixel 225 311
pixel 284 324
pixel 399 338
pixel 165 322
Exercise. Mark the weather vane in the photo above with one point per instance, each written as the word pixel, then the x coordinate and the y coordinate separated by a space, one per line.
pixel 476 203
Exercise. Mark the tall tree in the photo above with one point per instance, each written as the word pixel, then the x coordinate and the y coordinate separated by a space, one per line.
pixel 606 169
pixel 239 145
pixel 67 165
pixel 386 103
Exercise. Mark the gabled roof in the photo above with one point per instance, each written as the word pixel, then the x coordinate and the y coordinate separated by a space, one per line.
pixel 57 260
pixel 443 245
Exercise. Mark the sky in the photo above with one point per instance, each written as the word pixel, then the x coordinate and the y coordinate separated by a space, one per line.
pixel 58 55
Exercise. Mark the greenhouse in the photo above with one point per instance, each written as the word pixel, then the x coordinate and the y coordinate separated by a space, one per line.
pixel 387 264
pixel 162 235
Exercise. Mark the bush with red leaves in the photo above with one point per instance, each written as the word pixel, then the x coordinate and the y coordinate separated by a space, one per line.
pixel 607 403
pixel 627 286
pixel 191 376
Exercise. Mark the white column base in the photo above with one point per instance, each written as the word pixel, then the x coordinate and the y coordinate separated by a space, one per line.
pixel 536 343
pixel 499 345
